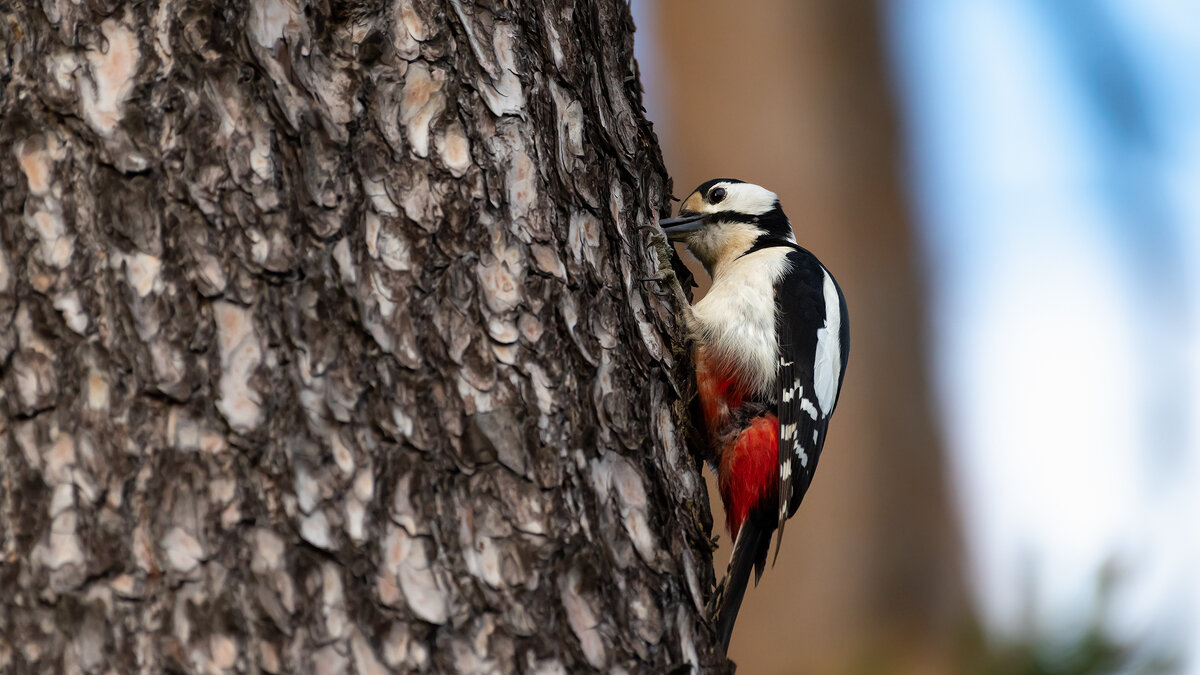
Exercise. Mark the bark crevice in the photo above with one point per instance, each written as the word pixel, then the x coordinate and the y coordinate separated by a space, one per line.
pixel 331 340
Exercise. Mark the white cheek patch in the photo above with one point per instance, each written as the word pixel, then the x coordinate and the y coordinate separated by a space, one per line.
pixel 746 198
pixel 827 366
pixel 720 242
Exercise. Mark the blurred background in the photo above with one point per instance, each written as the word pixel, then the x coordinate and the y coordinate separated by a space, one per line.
pixel 1008 192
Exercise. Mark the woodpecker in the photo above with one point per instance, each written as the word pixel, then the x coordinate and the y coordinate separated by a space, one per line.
pixel 771 339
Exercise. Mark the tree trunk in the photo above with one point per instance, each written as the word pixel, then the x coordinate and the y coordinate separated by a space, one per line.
pixel 333 339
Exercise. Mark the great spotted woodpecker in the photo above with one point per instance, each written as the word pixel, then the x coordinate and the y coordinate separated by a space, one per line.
pixel 771 338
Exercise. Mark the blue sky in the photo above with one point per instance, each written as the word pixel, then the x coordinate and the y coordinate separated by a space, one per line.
pixel 1055 165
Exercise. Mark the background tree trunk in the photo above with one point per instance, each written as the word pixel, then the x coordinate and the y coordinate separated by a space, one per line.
pixel 331 340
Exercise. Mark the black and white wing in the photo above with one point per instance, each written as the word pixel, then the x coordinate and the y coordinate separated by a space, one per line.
pixel 814 343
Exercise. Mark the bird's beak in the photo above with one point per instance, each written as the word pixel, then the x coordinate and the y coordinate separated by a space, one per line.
pixel 678 229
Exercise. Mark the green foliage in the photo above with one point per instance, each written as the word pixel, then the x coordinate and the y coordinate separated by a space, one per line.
pixel 1094 651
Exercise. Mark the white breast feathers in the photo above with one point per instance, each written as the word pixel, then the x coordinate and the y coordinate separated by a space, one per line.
pixel 736 319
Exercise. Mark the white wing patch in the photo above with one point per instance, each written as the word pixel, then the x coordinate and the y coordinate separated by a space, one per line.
pixel 785 474
pixel 827 365
pixel 808 407
pixel 791 393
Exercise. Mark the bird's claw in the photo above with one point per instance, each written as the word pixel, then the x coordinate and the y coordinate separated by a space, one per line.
pixel 714 603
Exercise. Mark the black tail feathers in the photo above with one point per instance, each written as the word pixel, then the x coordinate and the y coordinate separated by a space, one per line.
pixel 749 553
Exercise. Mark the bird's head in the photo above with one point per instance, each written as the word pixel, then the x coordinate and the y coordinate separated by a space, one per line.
pixel 724 218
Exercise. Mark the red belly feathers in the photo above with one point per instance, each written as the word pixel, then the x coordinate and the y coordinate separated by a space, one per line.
pixel 747 458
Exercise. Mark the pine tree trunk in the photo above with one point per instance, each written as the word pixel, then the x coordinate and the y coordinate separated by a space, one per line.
pixel 333 339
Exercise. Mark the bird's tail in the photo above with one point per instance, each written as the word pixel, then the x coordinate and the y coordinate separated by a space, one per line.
pixel 749 554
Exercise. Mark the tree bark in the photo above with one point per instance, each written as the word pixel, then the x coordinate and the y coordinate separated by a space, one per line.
pixel 334 338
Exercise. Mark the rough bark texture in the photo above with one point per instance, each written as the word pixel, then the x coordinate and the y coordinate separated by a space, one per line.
pixel 331 340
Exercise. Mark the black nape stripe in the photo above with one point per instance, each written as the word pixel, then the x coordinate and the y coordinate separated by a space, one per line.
pixel 770 241
pixel 773 223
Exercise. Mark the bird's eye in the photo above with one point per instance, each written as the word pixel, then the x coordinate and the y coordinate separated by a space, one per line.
pixel 716 195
